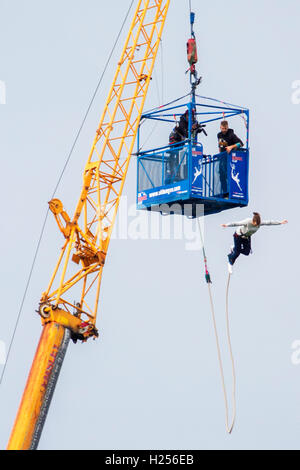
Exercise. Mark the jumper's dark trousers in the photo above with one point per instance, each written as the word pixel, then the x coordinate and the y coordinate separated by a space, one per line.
pixel 241 246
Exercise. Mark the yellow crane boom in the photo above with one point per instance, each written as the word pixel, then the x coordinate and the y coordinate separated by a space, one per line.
pixel 87 234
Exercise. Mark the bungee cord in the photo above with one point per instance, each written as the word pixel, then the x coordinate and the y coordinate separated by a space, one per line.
pixel 229 427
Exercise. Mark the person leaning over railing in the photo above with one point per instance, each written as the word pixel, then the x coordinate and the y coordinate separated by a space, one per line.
pixel 227 141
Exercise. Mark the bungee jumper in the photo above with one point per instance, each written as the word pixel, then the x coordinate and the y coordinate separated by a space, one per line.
pixel 242 236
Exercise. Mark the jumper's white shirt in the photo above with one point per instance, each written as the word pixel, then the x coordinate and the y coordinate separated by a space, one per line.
pixel 246 227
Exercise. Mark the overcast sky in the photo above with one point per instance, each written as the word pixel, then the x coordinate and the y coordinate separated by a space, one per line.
pixel 152 378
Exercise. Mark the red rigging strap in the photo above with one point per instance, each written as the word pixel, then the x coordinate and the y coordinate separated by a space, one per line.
pixel 244 119
pixel 192 54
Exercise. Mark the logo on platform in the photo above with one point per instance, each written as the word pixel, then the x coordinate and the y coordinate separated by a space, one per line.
pixel 235 176
pixel 142 197
pixel 197 172
pixel 235 158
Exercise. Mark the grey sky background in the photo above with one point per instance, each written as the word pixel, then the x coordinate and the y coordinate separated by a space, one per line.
pixel 152 378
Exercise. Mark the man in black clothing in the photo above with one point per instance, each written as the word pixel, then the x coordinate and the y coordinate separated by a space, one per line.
pixel 179 134
pixel 227 141
pixel 181 131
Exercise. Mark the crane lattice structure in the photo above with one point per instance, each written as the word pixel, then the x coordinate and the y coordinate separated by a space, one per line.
pixel 87 234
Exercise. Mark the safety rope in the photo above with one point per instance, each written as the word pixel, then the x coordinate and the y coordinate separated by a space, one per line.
pixel 219 101
pixel 242 114
pixel 152 110
pixel 246 126
pixel 229 427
